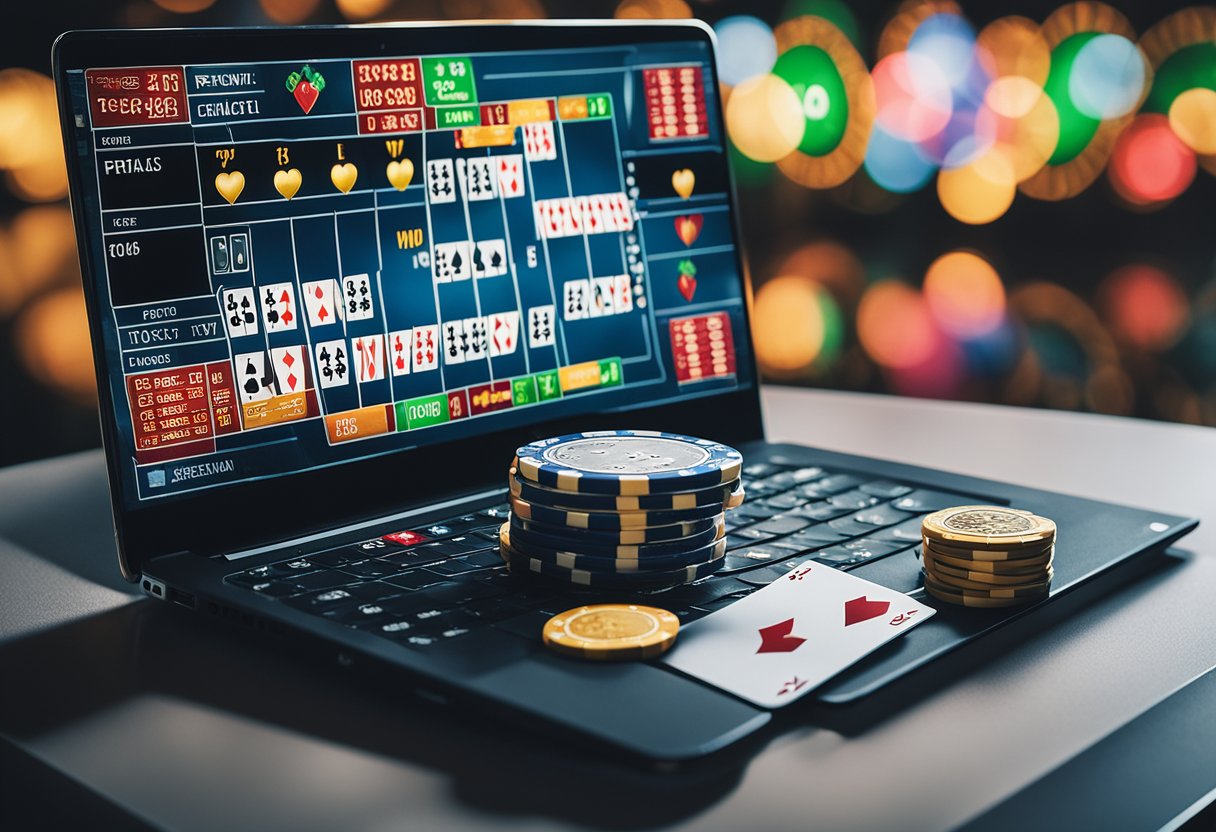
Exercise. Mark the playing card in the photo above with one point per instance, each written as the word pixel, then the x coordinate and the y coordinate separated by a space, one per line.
pixel 426 348
pixel 239 312
pixel 623 296
pixel 368 355
pixel 593 222
pixel 489 258
pixel 601 206
pixel 540 326
pixel 602 290
pixel 576 294
pixel 254 378
pixel 440 181
pixel 539 142
pixel 451 261
pixel 357 297
pixel 476 338
pixel 476 178
pixel 288 364
pixel 332 364
pixel 510 176
pixel 784 640
pixel 319 302
pixel 572 218
pixel 455 342
pixel 504 333
pixel 399 346
pixel 278 306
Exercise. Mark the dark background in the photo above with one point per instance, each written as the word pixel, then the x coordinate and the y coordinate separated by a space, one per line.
pixel 1073 336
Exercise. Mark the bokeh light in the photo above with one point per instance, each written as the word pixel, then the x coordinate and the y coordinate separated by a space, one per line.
pixel 835 12
pixel 289 11
pixel 1150 163
pixel 1145 306
pixel 897 165
pixel 653 10
pixel 894 325
pixel 964 294
pixel 1107 77
pixel 184 6
pixel 1193 118
pixel 794 316
pixel 912 95
pixel 764 118
pixel 52 337
pixel 1017 49
pixel 979 192
pixel 746 48
pixel 1025 125
pixel 948 41
pixel 362 9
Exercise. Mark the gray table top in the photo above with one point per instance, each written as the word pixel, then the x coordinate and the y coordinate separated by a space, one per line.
pixel 240 756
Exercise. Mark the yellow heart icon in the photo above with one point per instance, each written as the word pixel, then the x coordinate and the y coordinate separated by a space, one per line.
pixel 230 185
pixel 344 176
pixel 684 180
pixel 287 182
pixel 400 173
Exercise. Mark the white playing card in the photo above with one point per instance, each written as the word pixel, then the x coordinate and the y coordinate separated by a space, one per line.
pixel 319 301
pixel 357 297
pixel 625 212
pixel 240 312
pixel 253 380
pixel 489 258
pixel 577 294
pixel 784 640
pixel 440 181
pixel 476 178
pixel 573 216
pixel 288 364
pixel 601 203
pixel 455 342
pixel 593 222
pixel 504 333
pixel 540 326
pixel 510 176
pixel 539 142
pixel 602 290
pixel 478 342
pixel 399 348
pixel 368 355
pixel 451 261
pixel 278 306
pixel 426 348
pixel 623 297
pixel 333 363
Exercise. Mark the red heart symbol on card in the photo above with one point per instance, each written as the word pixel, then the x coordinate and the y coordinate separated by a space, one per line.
pixel 779 638
pixel 863 609
pixel 306 95
pixel 688 228
pixel 687 284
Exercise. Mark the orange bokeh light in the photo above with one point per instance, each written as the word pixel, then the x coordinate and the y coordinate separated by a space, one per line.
pixel 965 294
pixel 789 328
pixel 894 325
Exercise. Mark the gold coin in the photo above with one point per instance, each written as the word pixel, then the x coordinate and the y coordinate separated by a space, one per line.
pixel 989 527
pixel 1009 553
pixel 951 584
pixel 962 600
pixel 611 632
pixel 998 567
pixel 987 578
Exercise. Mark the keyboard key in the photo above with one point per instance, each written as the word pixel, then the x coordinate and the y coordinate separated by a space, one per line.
pixel 784 502
pixel 320 601
pixel 453 546
pixel 765 576
pixel 780 525
pixel 754 511
pixel 750 557
pixel 489 557
pixel 852 499
pixel 699 594
pixel 735 541
pixel 857 551
pixel 529 625
pixel 816 537
pixel 446 620
pixel 409 558
pixel 323 579
pixel 374 548
pixel 271 589
pixel 370 591
pixel 334 558
pixel 849 527
pixel 436 530
pixel 908 530
pixel 406 538
pixel 885 489
pixel 458 592
pixel 881 516
pixel 924 500
pixel 899 571
pixel 414 579
pixel 833 484
pixel 760 470
pixel 724 601
pixel 370 569
pixel 496 608
pixel 821 511
pixel 500 513
pixel 457 566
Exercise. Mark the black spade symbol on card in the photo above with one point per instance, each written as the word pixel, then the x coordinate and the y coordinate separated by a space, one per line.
pixel 251 381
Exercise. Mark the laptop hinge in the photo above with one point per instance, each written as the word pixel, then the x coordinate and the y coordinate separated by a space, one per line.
pixel 366 524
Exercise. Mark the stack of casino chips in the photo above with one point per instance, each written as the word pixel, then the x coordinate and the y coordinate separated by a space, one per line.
pixel 987 556
pixel 620 510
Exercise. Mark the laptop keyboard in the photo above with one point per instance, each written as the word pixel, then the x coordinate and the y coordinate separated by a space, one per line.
pixel 426 586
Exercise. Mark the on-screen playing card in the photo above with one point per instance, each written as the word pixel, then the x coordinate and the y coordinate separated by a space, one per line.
pixel 784 640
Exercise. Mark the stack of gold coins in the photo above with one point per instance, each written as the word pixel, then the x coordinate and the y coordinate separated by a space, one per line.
pixel 987 556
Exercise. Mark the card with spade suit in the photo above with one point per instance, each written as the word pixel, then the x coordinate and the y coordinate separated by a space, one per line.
pixel 783 641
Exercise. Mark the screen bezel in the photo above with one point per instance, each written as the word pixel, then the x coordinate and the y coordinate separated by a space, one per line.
pixel 428 474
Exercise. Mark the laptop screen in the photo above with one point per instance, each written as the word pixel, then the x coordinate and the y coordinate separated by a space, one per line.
pixel 300 263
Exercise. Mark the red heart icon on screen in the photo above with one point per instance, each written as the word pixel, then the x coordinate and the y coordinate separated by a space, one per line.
pixel 687 284
pixel 306 95
pixel 688 228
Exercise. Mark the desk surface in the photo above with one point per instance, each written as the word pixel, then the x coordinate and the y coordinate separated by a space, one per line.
pixel 192 726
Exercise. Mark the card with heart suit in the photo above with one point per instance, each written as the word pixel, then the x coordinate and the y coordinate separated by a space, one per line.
pixel 783 641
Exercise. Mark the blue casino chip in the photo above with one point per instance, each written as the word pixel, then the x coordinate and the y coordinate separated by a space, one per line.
pixel 621 537
pixel 627 463
pixel 522 564
pixel 730 495
pixel 529 537
pixel 641 567
pixel 608 520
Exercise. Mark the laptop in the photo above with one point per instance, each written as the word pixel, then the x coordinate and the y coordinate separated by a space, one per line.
pixel 336 276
